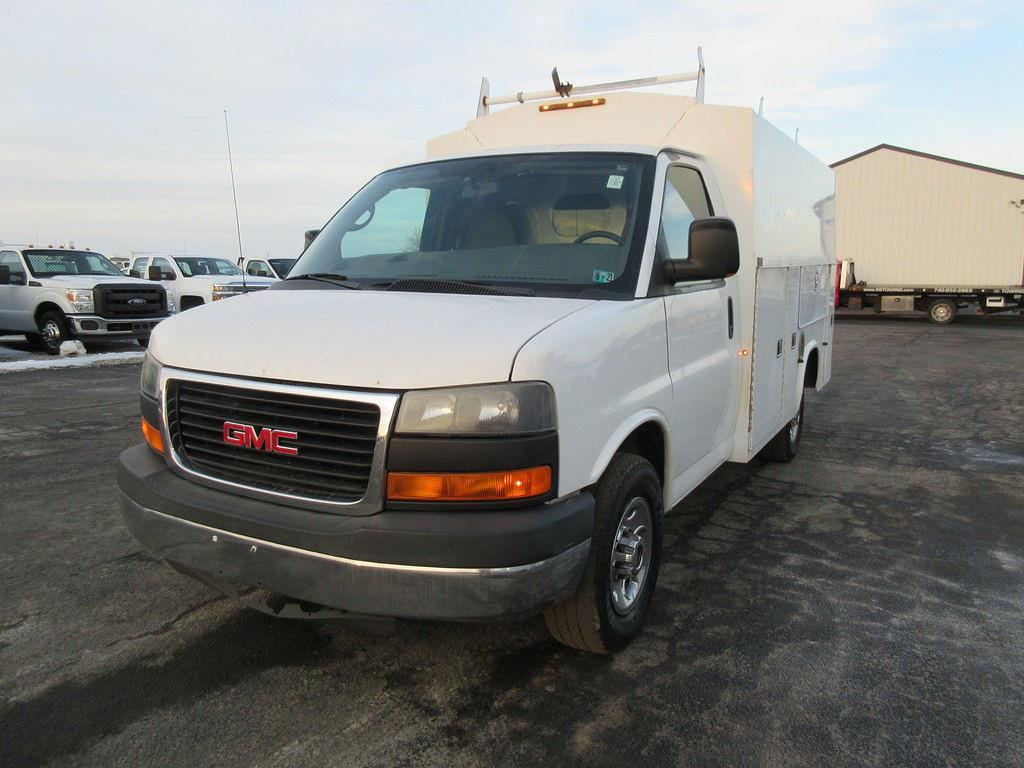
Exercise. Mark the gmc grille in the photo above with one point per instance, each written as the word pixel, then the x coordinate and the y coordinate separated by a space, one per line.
pixel 335 442
pixel 130 301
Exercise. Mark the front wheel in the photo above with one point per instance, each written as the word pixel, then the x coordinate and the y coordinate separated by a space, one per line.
pixel 53 331
pixel 611 601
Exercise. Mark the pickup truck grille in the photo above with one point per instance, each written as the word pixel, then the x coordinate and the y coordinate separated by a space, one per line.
pixel 226 433
pixel 129 301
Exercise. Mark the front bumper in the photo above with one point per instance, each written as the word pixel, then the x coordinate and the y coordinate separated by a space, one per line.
pixel 94 325
pixel 408 564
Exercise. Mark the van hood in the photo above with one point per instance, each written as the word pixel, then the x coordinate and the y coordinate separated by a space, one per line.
pixel 364 339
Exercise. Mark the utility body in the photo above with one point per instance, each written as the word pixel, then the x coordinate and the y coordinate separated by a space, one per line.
pixel 197 280
pixel 492 372
pixel 52 295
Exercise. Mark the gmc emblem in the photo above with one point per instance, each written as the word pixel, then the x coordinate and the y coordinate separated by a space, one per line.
pixel 266 439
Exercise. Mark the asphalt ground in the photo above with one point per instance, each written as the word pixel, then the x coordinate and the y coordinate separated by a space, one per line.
pixel 860 606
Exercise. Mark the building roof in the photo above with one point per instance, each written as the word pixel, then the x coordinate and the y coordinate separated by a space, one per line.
pixel 927 156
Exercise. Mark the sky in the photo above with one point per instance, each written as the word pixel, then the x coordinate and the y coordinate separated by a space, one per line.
pixel 113 133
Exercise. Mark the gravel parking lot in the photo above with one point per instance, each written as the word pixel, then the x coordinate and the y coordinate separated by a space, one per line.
pixel 861 606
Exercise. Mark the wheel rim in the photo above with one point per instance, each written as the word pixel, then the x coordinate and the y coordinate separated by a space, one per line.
pixel 941 312
pixel 50 333
pixel 631 555
pixel 794 427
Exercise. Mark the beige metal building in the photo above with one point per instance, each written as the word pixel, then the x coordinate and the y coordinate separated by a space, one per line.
pixel 906 218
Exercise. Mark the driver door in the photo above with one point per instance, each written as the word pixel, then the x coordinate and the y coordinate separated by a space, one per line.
pixel 703 347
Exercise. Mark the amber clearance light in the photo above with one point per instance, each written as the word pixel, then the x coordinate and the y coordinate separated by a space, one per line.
pixel 152 435
pixel 469 486
pixel 576 104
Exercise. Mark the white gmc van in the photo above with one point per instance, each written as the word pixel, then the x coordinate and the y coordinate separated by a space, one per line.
pixel 492 372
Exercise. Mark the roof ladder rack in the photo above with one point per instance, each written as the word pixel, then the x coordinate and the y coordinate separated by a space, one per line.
pixel 485 101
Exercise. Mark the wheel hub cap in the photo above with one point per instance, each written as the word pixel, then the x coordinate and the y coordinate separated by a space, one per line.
pixel 630 559
pixel 51 332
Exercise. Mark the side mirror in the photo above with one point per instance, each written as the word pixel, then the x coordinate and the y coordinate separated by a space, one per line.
pixel 5 274
pixel 714 250
pixel 153 273
pixel 310 237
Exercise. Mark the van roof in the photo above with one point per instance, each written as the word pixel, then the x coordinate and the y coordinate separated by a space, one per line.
pixel 624 121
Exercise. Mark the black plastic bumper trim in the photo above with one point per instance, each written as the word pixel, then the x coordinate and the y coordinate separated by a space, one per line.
pixel 442 538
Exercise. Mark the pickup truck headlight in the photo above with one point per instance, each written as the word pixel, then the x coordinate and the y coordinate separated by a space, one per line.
pixel 150 381
pixel 81 299
pixel 221 291
pixel 171 307
pixel 518 408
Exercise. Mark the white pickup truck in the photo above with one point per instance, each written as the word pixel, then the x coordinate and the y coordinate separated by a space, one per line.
pixel 197 280
pixel 52 295
pixel 492 372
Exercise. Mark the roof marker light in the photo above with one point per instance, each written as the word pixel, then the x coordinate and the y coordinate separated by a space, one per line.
pixel 571 104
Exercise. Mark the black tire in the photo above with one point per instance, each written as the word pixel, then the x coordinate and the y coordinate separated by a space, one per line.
pixel 589 621
pixel 53 331
pixel 942 311
pixel 143 342
pixel 784 446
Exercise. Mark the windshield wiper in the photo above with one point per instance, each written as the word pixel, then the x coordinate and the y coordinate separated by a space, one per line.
pixel 331 278
pixel 442 285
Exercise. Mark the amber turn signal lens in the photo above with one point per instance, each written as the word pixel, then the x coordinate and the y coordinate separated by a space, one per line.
pixel 152 435
pixel 469 486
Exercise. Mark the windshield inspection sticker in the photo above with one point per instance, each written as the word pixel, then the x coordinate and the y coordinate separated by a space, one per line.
pixel 603 276
pixel 615 181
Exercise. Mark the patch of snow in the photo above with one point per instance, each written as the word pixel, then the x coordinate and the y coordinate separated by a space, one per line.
pixel 109 358
pixel 72 348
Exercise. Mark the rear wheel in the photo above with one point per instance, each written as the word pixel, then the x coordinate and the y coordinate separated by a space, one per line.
pixel 53 331
pixel 611 601
pixel 942 311
pixel 784 446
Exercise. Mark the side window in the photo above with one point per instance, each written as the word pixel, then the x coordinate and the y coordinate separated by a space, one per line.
pixel 13 262
pixel 686 199
pixel 257 269
pixel 394 226
pixel 139 267
pixel 166 270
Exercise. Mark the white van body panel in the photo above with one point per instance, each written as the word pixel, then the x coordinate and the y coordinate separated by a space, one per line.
pixel 371 339
pixel 608 366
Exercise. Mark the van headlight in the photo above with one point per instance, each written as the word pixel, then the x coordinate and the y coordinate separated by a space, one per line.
pixel 150 381
pixel 516 408
pixel 81 299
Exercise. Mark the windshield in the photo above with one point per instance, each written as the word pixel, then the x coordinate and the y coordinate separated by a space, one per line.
pixel 204 265
pixel 565 224
pixel 282 266
pixel 50 263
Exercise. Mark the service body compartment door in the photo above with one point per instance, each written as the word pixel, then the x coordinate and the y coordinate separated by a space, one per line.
pixel 791 388
pixel 768 366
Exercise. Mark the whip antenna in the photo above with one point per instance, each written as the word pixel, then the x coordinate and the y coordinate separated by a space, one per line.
pixel 234 197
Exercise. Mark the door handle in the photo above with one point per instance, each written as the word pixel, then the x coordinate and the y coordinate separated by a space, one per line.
pixel 730 317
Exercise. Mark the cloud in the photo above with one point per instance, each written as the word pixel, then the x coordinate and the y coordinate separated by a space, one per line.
pixel 118 137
